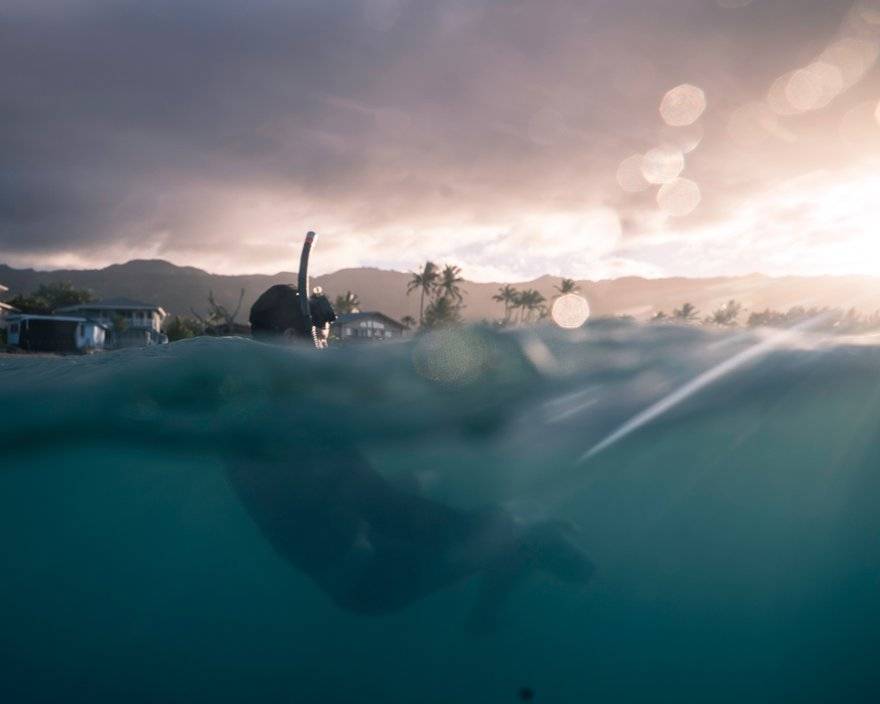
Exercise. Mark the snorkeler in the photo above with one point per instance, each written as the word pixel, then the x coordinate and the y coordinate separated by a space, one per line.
pixel 283 314
pixel 373 548
pixel 370 546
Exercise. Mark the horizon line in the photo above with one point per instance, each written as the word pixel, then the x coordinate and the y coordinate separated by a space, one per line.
pixel 755 274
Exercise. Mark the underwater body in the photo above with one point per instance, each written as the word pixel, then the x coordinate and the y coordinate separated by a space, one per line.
pixel 725 486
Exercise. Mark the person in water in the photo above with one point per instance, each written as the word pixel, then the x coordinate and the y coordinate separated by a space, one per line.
pixel 374 548
pixel 277 316
pixel 370 546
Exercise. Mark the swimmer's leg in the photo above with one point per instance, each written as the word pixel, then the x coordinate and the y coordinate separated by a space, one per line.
pixel 546 547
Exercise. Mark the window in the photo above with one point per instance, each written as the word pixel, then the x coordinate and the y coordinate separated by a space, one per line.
pixel 13 328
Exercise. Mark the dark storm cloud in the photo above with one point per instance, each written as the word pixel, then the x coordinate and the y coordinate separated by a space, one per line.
pixel 127 123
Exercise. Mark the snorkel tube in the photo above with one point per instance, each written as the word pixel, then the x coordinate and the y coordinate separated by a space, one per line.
pixel 303 284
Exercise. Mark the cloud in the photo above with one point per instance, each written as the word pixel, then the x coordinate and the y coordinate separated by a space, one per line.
pixel 488 132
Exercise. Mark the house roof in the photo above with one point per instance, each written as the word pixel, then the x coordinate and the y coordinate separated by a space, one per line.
pixel 118 303
pixel 6 306
pixel 365 315
pixel 19 317
pixel 3 289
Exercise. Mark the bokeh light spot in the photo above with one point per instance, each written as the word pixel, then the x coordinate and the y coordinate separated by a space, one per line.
pixel 662 164
pixel 452 357
pixel 679 197
pixel 814 87
pixel 570 311
pixel 683 105
pixel 852 58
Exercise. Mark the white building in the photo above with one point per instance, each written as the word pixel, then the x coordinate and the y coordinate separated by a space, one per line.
pixel 131 323
pixel 54 333
pixel 5 309
pixel 362 327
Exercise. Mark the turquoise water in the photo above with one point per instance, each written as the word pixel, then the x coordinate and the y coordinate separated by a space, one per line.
pixel 725 485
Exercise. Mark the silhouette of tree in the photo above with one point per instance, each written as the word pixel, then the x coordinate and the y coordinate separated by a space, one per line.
pixel 442 312
pixel 508 296
pixel 567 286
pixel 49 297
pixel 448 284
pixel 347 303
pixel 727 315
pixel 529 302
pixel 220 319
pixel 181 328
pixel 687 313
pixel 424 282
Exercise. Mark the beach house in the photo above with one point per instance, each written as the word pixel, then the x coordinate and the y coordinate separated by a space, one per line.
pixel 130 323
pixel 366 327
pixel 54 333
pixel 5 309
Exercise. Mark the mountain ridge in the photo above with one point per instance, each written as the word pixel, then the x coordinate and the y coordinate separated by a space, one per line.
pixel 179 289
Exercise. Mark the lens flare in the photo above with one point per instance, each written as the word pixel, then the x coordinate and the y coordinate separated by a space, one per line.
pixel 452 357
pixel 683 105
pixel 570 311
pixel 662 164
pixel 852 57
pixel 679 197
pixel 814 87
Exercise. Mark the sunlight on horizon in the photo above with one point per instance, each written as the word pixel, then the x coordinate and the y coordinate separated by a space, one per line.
pixel 693 174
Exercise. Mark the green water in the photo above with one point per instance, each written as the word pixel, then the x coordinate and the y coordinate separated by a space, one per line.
pixel 736 532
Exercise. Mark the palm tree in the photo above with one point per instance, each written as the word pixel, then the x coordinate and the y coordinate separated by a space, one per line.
pixel 567 286
pixel 518 304
pixel 425 283
pixel 348 303
pixel 686 314
pixel 507 295
pixel 409 322
pixel 726 315
pixel 448 285
pixel 442 312
pixel 530 301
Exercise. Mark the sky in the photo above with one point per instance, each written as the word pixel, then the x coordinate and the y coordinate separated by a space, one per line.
pixel 591 139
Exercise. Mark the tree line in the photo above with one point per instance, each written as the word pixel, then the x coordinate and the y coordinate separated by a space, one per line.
pixel 818 319
pixel 441 289
pixel 441 301
pixel 529 305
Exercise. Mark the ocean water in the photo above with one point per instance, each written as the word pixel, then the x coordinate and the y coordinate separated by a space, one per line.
pixel 726 486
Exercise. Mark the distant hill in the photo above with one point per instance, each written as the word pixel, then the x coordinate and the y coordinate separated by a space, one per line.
pixel 178 289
